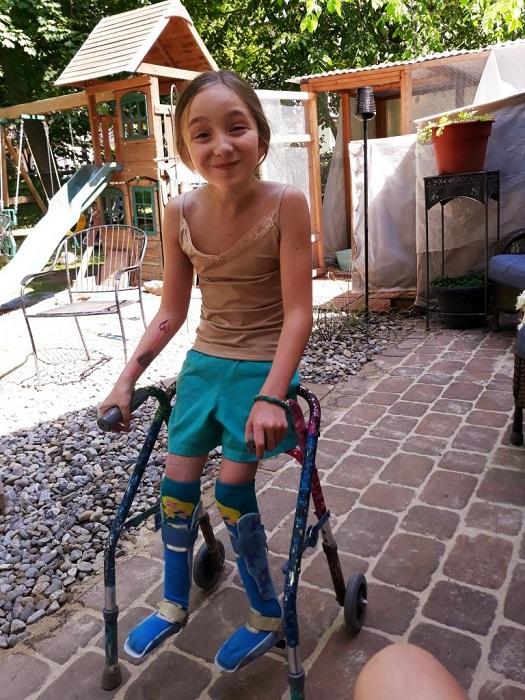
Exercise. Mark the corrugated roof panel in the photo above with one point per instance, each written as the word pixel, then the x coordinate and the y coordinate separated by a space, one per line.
pixel 394 64
pixel 120 42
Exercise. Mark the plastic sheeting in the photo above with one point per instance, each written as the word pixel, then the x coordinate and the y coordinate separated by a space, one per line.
pixel 391 213
pixel 288 163
pixel 397 166
pixel 503 75
pixel 287 159
pixel 334 212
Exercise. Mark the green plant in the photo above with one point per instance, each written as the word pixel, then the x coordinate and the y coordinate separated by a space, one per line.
pixel 426 132
pixel 332 321
pixel 475 278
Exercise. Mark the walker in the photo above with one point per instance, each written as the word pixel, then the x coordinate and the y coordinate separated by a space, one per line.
pixel 209 560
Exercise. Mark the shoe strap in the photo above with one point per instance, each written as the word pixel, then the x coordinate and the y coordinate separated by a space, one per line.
pixel 171 612
pixel 260 623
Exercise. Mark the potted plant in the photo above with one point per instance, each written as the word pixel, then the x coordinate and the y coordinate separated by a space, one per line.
pixel 459 140
pixel 461 300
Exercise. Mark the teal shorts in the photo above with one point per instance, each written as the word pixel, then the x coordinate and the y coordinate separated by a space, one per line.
pixel 213 401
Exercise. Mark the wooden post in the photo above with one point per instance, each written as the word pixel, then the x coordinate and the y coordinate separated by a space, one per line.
pixel 156 119
pixel 115 124
pixel 128 204
pixel 381 119
pixel 94 123
pixel 346 126
pixel 94 127
pixel 3 164
pixel 406 101
pixel 314 182
pixel 106 122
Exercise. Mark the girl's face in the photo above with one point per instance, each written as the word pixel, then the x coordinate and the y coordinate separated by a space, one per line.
pixel 221 136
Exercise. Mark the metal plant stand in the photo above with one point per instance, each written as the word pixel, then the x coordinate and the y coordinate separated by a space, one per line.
pixel 441 189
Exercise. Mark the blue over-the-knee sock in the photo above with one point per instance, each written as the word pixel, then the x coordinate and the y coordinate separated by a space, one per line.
pixel 179 501
pixel 237 504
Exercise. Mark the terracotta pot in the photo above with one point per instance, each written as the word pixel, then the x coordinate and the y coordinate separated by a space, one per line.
pixel 462 147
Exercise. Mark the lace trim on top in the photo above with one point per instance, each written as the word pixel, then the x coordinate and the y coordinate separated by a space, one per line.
pixel 254 234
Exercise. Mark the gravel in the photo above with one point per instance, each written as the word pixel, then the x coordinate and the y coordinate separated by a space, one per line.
pixel 63 478
pixel 341 343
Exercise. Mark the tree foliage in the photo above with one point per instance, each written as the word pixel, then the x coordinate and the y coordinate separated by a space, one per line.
pixel 267 41
pixel 38 38
pixel 272 40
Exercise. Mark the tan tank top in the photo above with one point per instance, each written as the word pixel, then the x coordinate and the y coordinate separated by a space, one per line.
pixel 242 307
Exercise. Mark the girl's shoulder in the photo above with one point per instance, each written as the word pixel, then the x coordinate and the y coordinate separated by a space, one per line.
pixel 283 189
pixel 175 204
pixel 281 192
pixel 289 197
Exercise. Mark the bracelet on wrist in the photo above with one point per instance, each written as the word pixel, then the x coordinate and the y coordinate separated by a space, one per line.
pixel 272 399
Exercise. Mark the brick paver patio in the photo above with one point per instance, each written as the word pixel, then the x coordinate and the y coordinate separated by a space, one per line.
pixel 427 497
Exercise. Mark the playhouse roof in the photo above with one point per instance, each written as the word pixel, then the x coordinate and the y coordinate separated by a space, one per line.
pixel 395 64
pixel 162 34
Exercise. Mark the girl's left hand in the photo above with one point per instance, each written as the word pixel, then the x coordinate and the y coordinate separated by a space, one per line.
pixel 266 427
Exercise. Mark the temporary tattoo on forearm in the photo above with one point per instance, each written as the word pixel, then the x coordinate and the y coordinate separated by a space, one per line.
pixel 146 358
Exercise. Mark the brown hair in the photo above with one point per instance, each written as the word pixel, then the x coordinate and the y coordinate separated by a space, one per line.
pixel 235 83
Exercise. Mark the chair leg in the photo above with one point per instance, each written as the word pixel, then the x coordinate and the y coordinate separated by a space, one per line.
pixel 82 338
pixel 123 333
pixel 142 309
pixel 35 356
pixel 516 436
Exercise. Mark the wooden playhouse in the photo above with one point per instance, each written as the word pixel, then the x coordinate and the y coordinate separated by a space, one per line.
pixel 154 48
pixel 130 69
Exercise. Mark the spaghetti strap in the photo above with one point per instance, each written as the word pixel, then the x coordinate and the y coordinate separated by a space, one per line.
pixel 181 218
pixel 280 201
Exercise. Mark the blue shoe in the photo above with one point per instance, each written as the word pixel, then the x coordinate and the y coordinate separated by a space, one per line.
pixel 257 637
pixel 264 628
pixel 154 629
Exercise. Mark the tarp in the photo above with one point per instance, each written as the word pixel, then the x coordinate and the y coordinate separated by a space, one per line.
pixel 391 213
pixel 396 193
pixel 334 213
pixel 503 75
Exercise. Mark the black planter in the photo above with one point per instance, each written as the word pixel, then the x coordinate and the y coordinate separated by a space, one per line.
pixel 460 307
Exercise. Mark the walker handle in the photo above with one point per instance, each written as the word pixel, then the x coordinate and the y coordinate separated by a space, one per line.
pixel 112 418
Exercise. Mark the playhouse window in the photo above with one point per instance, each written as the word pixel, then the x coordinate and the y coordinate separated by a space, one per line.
pixel 144 208
pixel 134 115
pixel 113 206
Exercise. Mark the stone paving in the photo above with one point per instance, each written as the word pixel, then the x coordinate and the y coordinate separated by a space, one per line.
pixel 427 498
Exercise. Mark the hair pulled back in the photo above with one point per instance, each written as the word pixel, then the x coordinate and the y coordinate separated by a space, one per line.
pixel 234 83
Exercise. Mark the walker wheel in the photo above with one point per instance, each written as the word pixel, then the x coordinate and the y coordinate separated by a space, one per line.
pixel 206 569
pixel 355 603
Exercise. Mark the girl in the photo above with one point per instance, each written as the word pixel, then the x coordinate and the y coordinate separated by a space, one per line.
pixel 249 242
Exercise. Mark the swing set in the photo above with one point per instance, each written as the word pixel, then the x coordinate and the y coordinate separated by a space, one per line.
pixel 28 148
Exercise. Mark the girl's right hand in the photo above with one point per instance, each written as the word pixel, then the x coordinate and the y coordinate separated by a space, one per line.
pixel 119 396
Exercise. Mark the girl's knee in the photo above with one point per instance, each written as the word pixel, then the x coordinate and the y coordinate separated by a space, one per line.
pixel 237 472
pixel 179 468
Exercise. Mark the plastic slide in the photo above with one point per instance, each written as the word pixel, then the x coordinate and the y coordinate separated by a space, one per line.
pixel 64 211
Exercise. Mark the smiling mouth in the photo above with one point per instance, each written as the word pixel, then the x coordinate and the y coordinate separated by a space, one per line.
pixel 225 166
